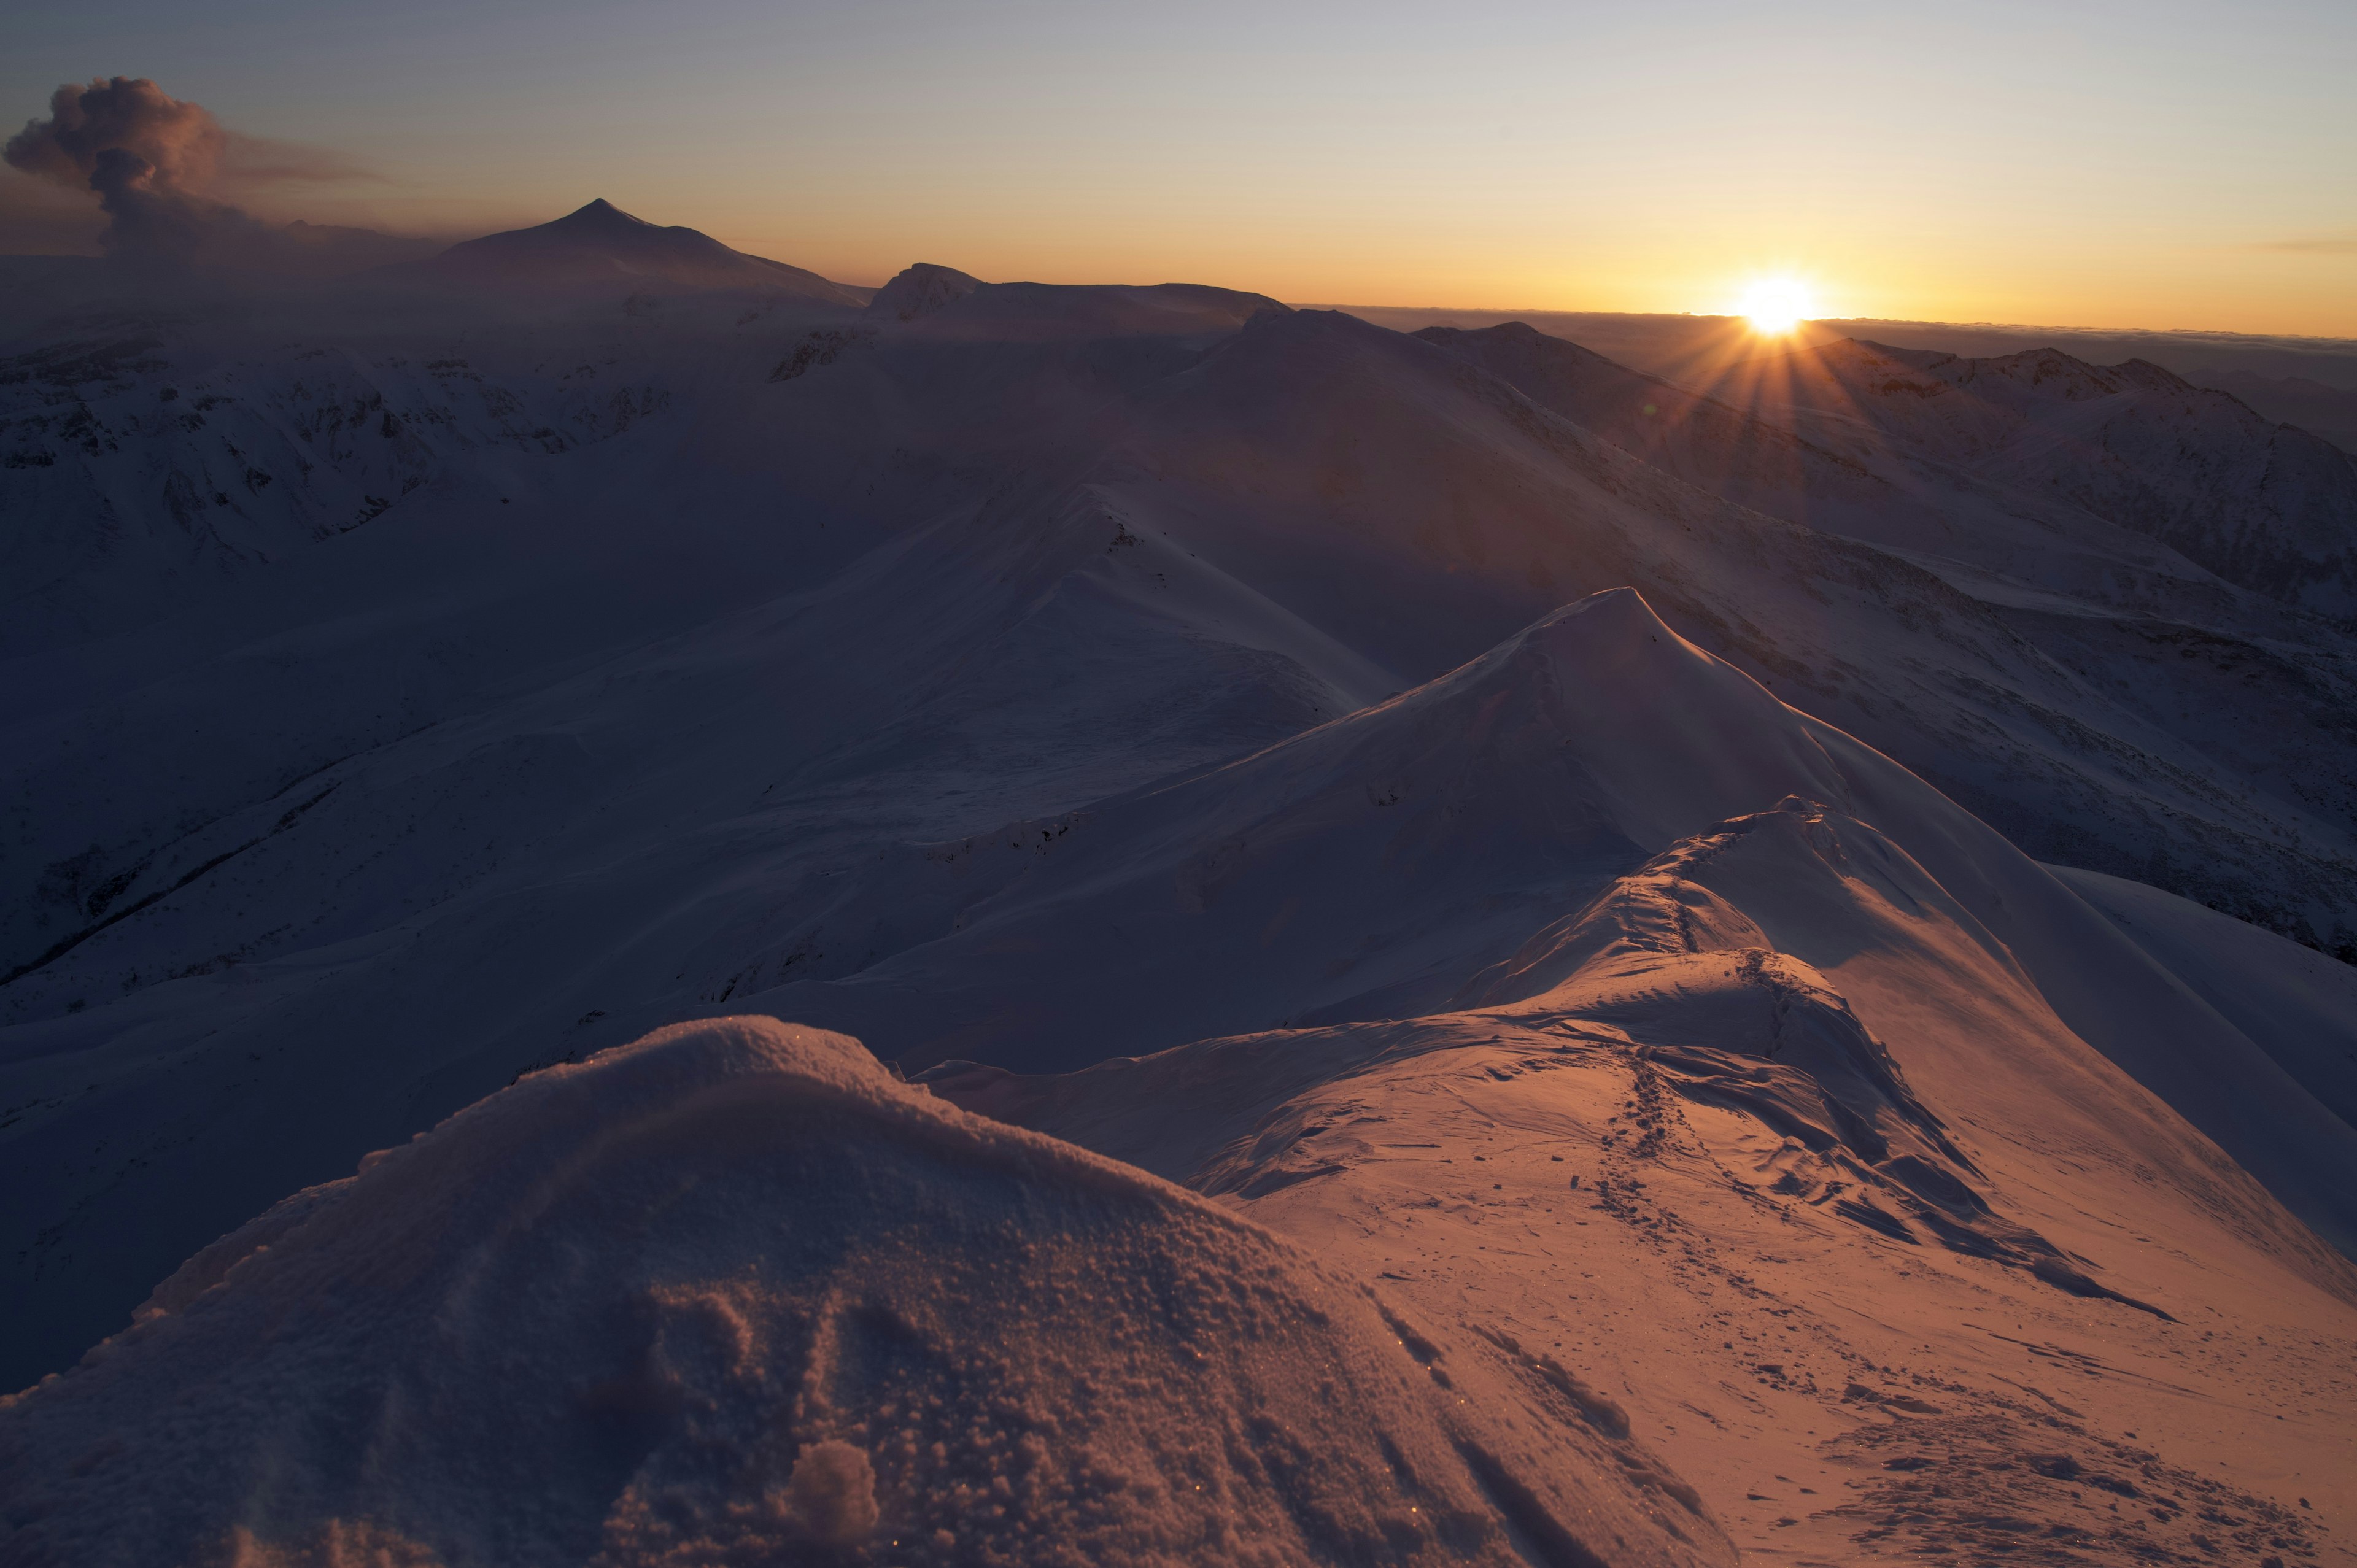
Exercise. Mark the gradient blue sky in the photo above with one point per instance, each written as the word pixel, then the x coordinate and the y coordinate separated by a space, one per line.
pixel 2158 165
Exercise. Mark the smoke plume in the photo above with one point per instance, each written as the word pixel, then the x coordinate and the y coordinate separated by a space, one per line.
pixel 154 162
pixel 149 156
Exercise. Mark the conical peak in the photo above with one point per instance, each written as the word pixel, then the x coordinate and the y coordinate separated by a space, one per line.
pixel 1610 622
pixel 1609 651
pixel 603 214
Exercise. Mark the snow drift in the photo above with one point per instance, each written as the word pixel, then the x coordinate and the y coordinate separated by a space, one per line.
pixel 732 1294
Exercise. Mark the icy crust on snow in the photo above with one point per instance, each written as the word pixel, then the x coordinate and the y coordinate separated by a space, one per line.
pixel 732 1294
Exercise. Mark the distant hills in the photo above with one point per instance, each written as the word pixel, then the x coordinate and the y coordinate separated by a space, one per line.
pixel 600 245
pixel 2308 382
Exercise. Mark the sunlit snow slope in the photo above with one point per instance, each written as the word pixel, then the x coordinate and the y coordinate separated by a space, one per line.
pixel 1802 1130
pixel 1037 676
pixel 733 1295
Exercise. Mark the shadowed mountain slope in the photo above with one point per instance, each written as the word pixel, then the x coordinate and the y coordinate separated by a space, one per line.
pixel 601 246
pixel 571 742
pixel 2263 505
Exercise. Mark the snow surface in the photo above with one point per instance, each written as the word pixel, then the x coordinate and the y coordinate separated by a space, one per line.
pixel 567 744
pixel 2261 504
pixel 1779 1144
pixel 732 1294
pixel 2298 1005
pixel 1193 727
pixel 1369 867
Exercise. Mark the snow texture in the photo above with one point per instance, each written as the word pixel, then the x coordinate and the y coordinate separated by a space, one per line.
pixel 1555 844
pixel 731 1293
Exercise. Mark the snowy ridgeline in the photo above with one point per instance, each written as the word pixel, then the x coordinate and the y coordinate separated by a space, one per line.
pixel 734 1295
pixel 1315 765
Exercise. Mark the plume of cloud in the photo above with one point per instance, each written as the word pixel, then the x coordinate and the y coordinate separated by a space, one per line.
pixel 149 156
pixel 249 161
pixel 155 161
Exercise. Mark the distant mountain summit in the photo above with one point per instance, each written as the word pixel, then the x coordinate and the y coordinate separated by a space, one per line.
pixel 921 290
pixel 2266 506
pixel 601 246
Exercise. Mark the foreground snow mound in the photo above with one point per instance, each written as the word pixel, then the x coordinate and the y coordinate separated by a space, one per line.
pixel 732 1294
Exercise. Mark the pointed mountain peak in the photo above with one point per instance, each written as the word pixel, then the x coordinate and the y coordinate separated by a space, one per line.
pixel 1614 626
pixel 599 247
pixel 600 214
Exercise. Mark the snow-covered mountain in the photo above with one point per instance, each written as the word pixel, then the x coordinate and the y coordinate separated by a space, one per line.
pixel 2263 505
pixel 1160 704
pixel 784 1308
pixel 1441 847
pixel 600 246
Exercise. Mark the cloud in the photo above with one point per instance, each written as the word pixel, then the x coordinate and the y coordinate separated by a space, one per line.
pixel 260 160
pixel 156 162
pixel 37 217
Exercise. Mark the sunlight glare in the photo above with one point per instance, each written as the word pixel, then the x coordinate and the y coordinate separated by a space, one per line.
pixel 1775 306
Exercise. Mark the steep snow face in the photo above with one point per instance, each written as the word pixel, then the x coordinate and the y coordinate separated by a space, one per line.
pixel 1704 958
pixel 1371 867
pixel 1424 508
pixel 2299 1006
pixel 1363 868
pixel 564 746
pixel 730 1293
pixel 2265 505
pixel 1780 1134
pixel 600 246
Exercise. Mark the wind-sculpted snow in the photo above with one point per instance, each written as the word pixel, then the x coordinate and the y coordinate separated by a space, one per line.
pixel 1776 1130
pixel 1369 868
pixel 732 1294
pixel 1016 680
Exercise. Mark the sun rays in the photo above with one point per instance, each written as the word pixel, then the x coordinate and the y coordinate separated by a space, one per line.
pixel 1775 306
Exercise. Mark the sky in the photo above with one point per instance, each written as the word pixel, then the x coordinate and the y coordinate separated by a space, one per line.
pixel 2155 165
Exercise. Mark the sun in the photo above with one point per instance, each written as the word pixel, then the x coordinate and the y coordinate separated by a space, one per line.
pixel 1775 306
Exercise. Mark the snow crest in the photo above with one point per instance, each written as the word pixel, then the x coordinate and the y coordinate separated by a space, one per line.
pixel 731 1293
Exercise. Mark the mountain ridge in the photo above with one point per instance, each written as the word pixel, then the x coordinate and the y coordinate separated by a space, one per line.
pixel 598 245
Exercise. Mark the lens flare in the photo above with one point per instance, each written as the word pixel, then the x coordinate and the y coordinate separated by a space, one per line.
pixel 1775 306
